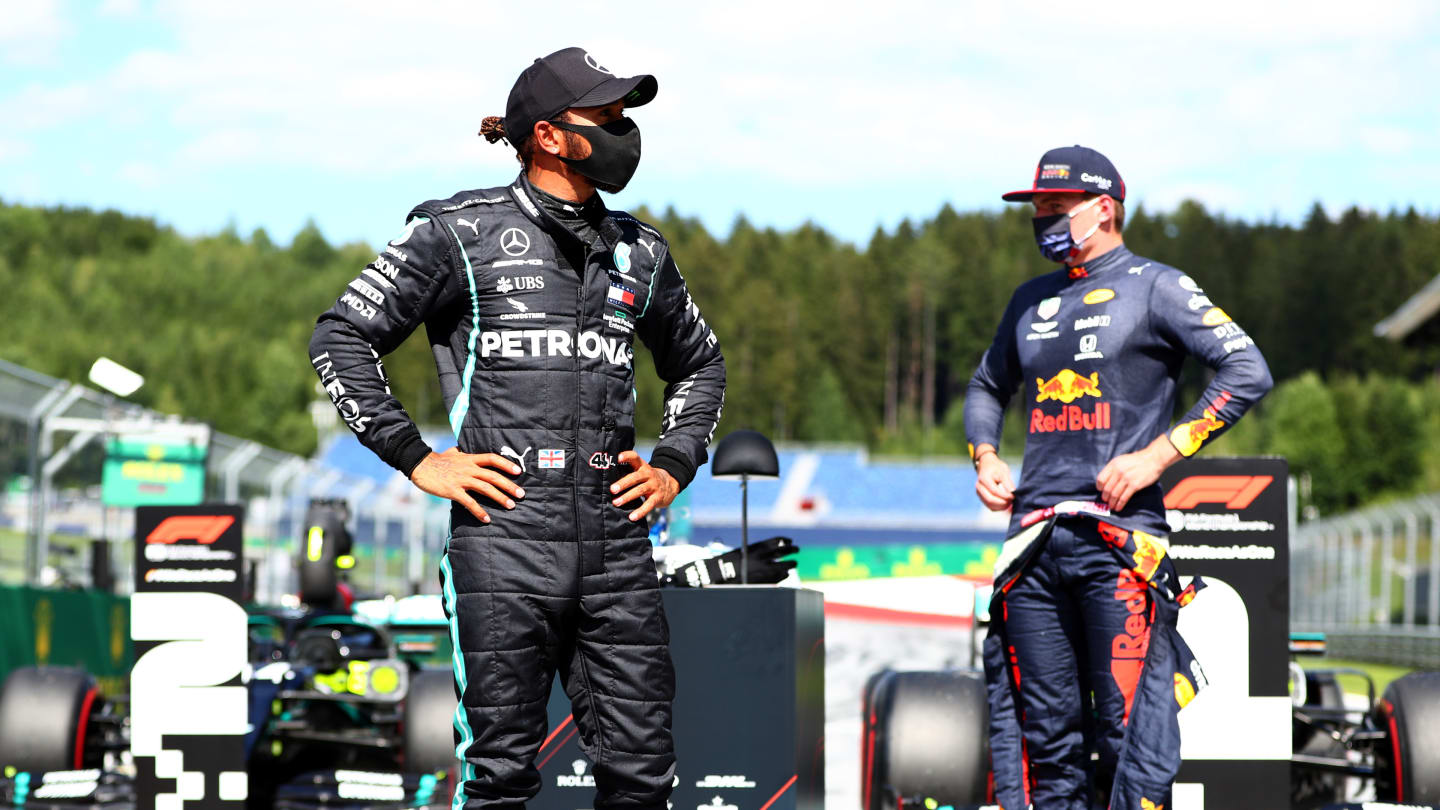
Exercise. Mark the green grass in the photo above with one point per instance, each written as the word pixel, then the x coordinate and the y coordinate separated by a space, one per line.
pixel 1382 674
pixel 12 554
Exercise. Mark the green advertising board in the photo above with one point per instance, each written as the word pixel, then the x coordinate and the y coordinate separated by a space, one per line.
pixel 153 470
pixel 86 629
pixel 831 563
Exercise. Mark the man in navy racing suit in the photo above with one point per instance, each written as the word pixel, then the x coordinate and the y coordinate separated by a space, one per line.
pixel 531 294
pixel 1085 596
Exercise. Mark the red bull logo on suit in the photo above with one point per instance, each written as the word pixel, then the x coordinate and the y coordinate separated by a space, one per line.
pixel 1066 387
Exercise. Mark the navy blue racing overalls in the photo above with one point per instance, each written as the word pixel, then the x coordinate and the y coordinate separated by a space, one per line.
pixel 1083 653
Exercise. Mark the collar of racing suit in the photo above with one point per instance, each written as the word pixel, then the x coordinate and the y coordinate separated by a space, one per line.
pixel 534 204
pixel 1111 258
pixel 582 219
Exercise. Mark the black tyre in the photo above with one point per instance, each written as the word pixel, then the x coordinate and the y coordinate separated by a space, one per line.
pixel 1407 765
pixel 44 718
pixel 1312 788
pixel 926 736
pixel 869 721
pixel 428 737
pixel 324 541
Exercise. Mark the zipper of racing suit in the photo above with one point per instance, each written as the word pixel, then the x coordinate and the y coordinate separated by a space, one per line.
pixel 584 272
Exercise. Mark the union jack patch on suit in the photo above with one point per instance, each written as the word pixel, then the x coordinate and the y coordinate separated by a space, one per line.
pixel 553 459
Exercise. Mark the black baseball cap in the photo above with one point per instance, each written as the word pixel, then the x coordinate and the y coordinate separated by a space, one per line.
pixel 564 79
pixel 1077 169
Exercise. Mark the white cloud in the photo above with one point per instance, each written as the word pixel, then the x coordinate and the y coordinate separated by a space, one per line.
pixel 13 150
pixel 141 175
pixel 828 96
pixel 30 32
pixel 1388 140
pixel 119 8
pixel 37 107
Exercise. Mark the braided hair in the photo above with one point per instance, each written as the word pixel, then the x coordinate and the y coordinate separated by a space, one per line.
pixel 492 129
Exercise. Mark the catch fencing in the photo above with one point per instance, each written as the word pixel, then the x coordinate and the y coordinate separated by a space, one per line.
pixel 48 531
pixel 1370 580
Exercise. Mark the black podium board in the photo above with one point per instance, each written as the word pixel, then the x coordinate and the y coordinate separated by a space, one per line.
pixel 749 706
pixel 1229 522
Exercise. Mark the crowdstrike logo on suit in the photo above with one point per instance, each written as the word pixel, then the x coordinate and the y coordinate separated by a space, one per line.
pixel 522 312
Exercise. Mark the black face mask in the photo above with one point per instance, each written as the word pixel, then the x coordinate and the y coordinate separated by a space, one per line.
pixel 614 153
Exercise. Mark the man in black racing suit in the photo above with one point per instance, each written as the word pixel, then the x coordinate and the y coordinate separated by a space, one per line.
pixel 531 295
pixel 1085 596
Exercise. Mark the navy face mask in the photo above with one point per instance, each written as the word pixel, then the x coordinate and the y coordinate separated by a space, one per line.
pixel 614 153
pixel 1052 234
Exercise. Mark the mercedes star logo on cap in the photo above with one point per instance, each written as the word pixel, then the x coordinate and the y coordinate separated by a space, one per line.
pixel 595 63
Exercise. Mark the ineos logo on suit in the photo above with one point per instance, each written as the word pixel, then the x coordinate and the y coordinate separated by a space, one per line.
pixel 514 242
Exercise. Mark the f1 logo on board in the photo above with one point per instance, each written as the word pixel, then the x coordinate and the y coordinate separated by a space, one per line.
pixel 1234 491
pixel 205 529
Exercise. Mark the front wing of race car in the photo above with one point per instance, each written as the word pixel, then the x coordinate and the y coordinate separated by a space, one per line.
pixel 315 790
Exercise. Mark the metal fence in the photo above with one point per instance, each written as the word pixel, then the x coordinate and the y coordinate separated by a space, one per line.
pixel 46 531
pixel 1371 581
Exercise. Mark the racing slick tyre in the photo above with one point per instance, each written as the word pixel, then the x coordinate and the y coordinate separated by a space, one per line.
pixel 429 714
pixel 925 736
pixel 1407 765
pixel 44 718
pixel 326 540
pixel 1313 788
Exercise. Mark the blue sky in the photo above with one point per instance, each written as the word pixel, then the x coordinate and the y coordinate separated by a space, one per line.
pixel 849 115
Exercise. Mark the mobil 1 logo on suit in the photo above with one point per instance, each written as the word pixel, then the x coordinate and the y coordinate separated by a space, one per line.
pixel 188 707
pixel 1229 524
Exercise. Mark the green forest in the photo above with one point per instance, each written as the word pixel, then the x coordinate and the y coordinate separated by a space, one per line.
pixel 824 341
